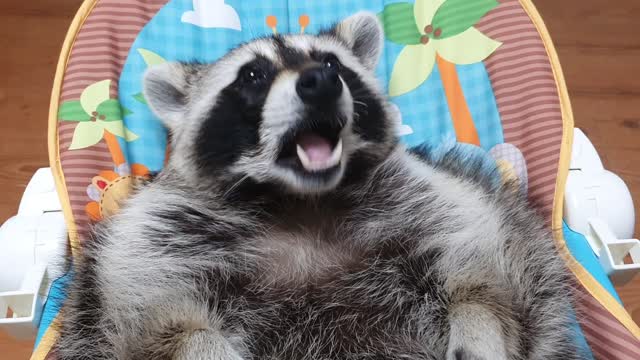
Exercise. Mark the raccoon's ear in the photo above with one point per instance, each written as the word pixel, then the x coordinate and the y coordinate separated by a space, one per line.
pixel 165 90
pixel 363 33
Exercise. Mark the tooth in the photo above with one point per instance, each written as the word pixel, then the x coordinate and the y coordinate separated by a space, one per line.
pixel 336 155
pixel 304 159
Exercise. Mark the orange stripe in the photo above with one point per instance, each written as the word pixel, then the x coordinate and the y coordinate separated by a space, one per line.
pixel 114 148
pixel 462 121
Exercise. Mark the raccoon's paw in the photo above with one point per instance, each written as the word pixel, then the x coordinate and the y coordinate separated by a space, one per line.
pixel 475 334
pixel 207 345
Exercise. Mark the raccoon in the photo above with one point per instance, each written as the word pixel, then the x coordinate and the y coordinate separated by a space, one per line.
pixel 290 223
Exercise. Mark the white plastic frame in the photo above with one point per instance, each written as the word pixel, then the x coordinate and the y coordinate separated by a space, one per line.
pixel 598 205
pixel 33 245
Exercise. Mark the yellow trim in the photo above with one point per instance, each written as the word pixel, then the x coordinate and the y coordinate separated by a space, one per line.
pixel 54 146
pixel 46 343
pixel 48 339
pixel 586 279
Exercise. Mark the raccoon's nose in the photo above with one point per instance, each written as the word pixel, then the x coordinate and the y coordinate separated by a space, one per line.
pixel 319 85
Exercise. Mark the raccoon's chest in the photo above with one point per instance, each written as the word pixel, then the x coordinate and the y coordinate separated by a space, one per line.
pixel 304 256
pixel 326 298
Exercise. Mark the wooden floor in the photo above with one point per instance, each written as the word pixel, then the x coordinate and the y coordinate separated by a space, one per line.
pixel 31 35
pixel 597 41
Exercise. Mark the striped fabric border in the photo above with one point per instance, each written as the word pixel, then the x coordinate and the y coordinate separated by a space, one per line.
pixel 607 337
pixel 527 97
pixel 529 104
pixel 99 52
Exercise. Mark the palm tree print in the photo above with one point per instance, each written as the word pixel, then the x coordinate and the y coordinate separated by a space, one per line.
pixel 442 33
pixel 98 117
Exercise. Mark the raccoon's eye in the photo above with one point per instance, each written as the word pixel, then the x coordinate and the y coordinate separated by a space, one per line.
pixel 330 61
pixel 252 75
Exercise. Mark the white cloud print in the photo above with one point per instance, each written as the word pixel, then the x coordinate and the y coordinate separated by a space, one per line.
pixel 212 14
pixel 401 129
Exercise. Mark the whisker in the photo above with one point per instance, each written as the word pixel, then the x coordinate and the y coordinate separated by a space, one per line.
pixel 234 186
pixel 361 103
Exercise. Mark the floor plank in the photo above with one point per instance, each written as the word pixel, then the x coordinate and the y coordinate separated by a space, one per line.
pixel 24 96
pixel 14 350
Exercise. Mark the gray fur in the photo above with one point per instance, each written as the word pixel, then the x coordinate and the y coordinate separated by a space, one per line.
pixel 409 258
pixel 362 34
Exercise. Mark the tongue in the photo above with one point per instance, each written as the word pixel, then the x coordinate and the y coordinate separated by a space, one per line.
pixel 317 148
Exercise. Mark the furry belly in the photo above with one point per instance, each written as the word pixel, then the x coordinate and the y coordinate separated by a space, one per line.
pixel 358 315
pixel 309 328
pixel 294 259
pixel 373 305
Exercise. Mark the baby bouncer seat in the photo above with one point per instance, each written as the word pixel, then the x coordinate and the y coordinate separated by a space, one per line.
pixel 479 72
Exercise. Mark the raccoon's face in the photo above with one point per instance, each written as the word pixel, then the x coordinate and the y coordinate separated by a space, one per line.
pixel 295 110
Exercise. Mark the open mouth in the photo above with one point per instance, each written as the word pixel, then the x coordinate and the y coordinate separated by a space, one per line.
pixel 314 151
pixel 317 153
